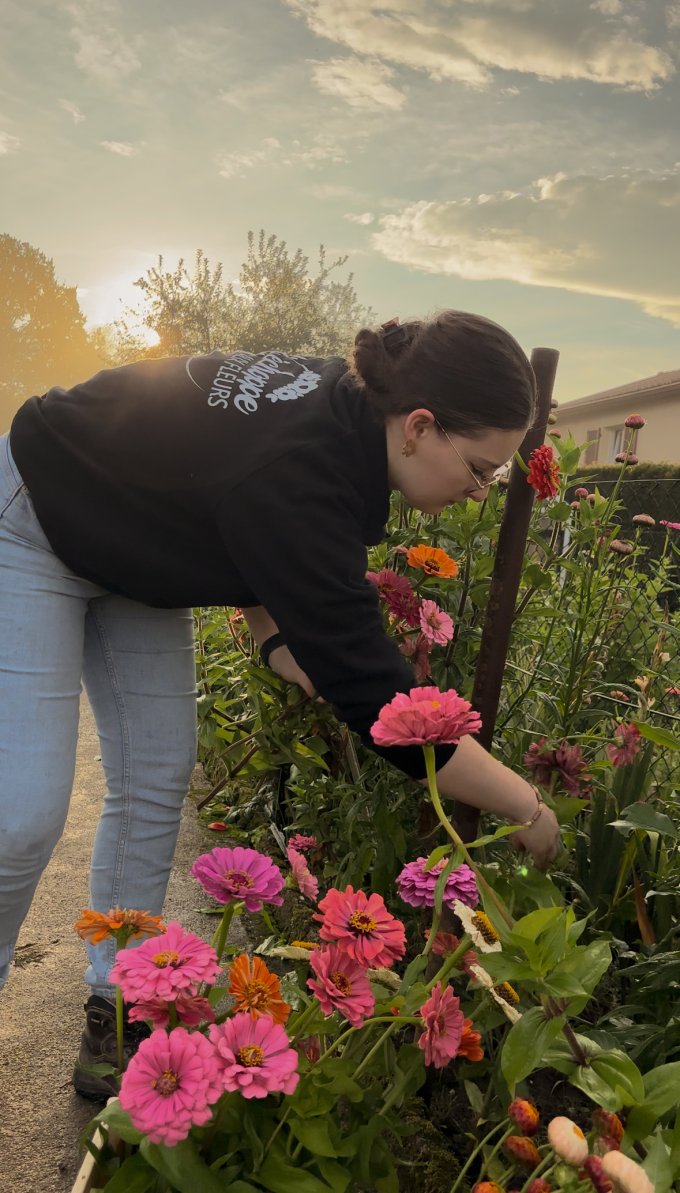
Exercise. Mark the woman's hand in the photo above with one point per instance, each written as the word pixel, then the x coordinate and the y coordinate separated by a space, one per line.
pixel 282 662
pixel 542 839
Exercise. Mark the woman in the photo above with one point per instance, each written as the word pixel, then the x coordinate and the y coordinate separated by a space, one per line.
pixel 248 480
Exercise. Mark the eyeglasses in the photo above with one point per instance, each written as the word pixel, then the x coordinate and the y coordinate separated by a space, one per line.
pixel 481 482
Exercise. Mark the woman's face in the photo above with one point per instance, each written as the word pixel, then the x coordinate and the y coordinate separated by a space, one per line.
pixel 439 470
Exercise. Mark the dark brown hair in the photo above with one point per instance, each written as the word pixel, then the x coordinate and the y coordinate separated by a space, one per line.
pixel 467 370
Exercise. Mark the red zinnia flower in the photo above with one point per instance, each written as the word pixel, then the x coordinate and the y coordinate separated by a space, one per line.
pixel 340 984
pixel 567 760
pixel 398 595
pixel 362 926
pixel 424 715
pixel 444 1025
pixel 470 1043
pixel 593 1170
pixel 544 472
pixel 418 650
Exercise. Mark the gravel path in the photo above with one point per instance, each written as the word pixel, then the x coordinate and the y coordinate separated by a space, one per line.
pixel 41 1016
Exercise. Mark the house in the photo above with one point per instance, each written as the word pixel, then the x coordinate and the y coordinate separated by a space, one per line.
pixel 598 420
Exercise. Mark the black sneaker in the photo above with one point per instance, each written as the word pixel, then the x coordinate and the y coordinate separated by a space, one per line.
pixel 98 1046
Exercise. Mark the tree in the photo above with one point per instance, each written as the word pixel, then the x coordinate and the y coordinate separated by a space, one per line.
pixel 276 303
pixel 43 340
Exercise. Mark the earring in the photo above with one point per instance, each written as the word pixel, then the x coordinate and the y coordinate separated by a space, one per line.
pixel 408 448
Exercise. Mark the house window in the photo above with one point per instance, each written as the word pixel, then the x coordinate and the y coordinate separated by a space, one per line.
pixel 593 444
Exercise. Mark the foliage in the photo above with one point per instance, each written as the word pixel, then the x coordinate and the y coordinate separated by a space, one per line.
pixel 276 303
pixel 43 340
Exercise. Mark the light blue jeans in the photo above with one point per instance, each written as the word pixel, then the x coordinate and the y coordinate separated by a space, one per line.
pixel 137 665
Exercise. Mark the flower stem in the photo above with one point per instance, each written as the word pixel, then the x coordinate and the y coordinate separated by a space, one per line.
pixel 119 1028
pixel 546 1166
pixel 222 930
pixel 475 1152
pixel 457 840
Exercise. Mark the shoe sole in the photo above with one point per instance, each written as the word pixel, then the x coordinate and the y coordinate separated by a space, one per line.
pixel 88 1085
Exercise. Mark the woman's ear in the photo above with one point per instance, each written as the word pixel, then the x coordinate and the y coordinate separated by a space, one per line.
pixel 418 422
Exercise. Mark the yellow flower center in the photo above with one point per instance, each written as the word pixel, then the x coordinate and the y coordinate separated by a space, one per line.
pixel 577 1131
pixel 239 878
pixel 166 1084
pixel 362 922
pixel 341 983
pixel 168 958
pixel 250 1055
pixel 436 703
pixel 304 944
pixel 484 926
pixel 255 996
pixel 508 993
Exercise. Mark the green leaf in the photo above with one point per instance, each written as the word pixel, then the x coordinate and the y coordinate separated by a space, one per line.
pixel 314 1134
pixel 133 1176
pixel 621 1074
pixel 334 1173
pixel 119 1121
pixel 182 1166
pixel 436 856
pixel 660 737
pixel 559 512
pixel 657 1165
pixel 525 1044
pixel 645 817
pixel 279 1176
pixel 662 1087
pixel 531 925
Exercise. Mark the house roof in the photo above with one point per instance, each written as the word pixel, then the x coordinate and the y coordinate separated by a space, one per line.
pixel 646 388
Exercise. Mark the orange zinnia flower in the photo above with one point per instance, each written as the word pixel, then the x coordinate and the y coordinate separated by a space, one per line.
pixel 469 1046
pixel 256 990
pixel 432 560
pixel 122 923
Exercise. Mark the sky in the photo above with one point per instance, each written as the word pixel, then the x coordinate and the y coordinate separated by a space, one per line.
pixel 517 158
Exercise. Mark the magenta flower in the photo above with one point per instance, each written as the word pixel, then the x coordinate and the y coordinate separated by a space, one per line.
pixel 566 760
pixel 635 421
pixel 444 1025
pixel 165 966
pixel 170 1084
pixel 300 842
pixel 254 1056
pixel 305 881
pixel 341 985
pixel 398 595
pixel 436 625
pixel 622 751
pixel 362 926
pixel 669 525
pixel 190 1010
pixel 238 874
pixel 416 884
pixel 424 715
pixel 418 650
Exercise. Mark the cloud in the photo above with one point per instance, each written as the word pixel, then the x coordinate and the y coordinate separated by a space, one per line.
pixel 360 83
pixel 614 236
pixel 321 151
pixel 8 143
pixel 120 147
pixel 460 41
pixel 101 50
pixel 366 218
pixel 72 110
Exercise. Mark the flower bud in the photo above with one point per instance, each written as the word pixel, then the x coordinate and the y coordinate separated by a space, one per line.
pixel 606 1122
pixel 606 1143
pixel 522 1150
pixel 593 1170
pixel 621 547
pixel 635 421
pixel 644 520
pixel 488 1187
pixel 626 458
pixel 524 1115
pixel 581 492
pixel 567 1140
pixel 626 1174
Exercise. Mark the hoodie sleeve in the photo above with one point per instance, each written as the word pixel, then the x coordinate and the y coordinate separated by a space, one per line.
pixel 294 531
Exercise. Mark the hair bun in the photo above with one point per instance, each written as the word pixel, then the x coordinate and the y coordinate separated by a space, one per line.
pixel 370 359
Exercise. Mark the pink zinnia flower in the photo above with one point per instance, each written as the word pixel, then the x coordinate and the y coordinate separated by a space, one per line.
pixel 341 985
pixel 635 421
pixel 444 1024
pixel 424 715
pixel 436 625
pixel 238 874
pixel 170 1085
pixel 298 841
pixel 416 884
pixel 362 926
pixel 669 525
pixel 567 760
pixel 305 881
pixel 189 1009
pixel 167 965
pixel 254 1056
pixel 398 595
pixel 627 744
pixel 418 650
pixel 581 492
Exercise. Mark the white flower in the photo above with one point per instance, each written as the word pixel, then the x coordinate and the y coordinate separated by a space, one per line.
pixel 478 926
pixel 567 1140
pixel 626 1174
pixel 485 980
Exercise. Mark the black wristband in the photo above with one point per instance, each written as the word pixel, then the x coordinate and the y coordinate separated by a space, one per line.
pixel 269 645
